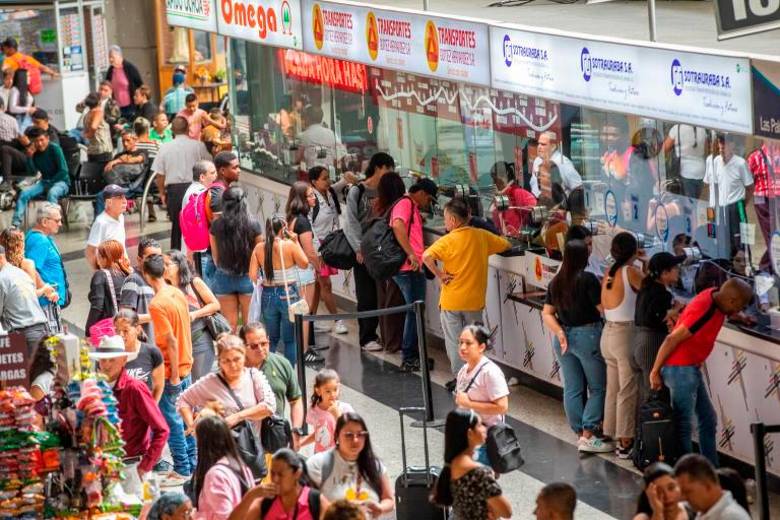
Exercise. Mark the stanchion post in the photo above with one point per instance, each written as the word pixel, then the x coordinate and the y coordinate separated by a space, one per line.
pixel 301 366
pixel 762 497
pixel 422 344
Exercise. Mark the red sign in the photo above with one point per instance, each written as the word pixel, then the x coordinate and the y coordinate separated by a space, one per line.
pixel 14 365
pixel 340 74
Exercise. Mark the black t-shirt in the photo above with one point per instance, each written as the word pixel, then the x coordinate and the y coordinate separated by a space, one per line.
pixel 652 304
pixel 301 225
pixel 583 311
pixel 149 358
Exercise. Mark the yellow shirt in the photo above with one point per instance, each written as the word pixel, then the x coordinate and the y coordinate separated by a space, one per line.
pixel 464 254
pixel 12 62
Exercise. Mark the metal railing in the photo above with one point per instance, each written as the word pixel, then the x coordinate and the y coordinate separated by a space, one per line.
pixel 419 310
pixel 152 177
pixel 760 431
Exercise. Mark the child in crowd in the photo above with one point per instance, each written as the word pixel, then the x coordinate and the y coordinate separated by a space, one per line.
pixel 325 410
pixel 161 132
pixel 217 140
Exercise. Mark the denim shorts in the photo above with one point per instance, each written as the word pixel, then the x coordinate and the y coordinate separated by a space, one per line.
pixel 307 276
pixel 223 282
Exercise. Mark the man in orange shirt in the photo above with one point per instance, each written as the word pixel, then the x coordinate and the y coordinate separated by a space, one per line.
pixel 171 319
pixel 15 59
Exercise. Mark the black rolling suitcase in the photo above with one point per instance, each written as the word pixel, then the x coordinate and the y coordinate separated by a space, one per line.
pixel 414 486
pixel 656 439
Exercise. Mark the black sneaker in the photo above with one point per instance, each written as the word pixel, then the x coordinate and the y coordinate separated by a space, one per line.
pixel 312 357
pixel 623 452
pixel 412 365
pixel 451 385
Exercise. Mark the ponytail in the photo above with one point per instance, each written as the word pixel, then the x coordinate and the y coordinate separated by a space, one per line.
pixel 624 247
pixel 272 227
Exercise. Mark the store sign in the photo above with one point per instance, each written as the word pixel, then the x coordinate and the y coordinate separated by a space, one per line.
pixel 710 91
pixel 766 98
pixel 742 17
pixel 13 361
pixel 405 41
pixel 193 14
pixel 320 70
pixel 270 22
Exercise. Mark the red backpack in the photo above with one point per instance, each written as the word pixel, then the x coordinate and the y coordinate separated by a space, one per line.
pixel 34 82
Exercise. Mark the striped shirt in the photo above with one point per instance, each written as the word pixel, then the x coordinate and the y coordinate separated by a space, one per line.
pixel 9 128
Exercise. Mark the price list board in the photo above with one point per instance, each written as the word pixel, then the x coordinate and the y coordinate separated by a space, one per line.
pixel 71 40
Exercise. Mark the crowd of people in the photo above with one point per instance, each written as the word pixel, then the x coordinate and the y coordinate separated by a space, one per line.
pixel 198 345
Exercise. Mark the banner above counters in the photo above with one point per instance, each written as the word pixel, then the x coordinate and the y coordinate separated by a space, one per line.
pixel 406 41
pixel 270 22
pixel 192 14
pixel 700 89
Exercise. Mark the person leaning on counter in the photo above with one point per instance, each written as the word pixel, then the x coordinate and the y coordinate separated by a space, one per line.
pixel 685 350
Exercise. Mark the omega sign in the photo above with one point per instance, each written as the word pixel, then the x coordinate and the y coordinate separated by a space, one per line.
pixel 742 17
pixel 262 19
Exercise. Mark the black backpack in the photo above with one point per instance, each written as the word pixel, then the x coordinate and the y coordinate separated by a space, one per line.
pixel 314 505
pixel 656 438
pixel 383 256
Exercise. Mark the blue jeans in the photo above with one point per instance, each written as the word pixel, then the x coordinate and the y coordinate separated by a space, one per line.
pixel 54 192
pixel 412 286
pixel 689 398
pixel 182 447
pixel 277 322
pixel 584 377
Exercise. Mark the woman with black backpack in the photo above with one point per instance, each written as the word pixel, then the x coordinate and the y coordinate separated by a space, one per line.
pixel 288 496
pixel 221 478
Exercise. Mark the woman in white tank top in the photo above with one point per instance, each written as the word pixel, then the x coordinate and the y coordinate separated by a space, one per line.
pixel 618 297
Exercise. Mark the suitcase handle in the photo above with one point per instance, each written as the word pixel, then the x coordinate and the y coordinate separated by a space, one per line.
pixel 405 410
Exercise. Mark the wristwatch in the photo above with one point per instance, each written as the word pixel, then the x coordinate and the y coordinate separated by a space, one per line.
pixel 299 432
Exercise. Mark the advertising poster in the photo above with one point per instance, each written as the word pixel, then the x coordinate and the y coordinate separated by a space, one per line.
pixel 270 22
pixel 192 14
pixel 766 98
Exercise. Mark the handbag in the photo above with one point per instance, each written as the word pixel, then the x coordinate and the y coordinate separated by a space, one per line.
pixel 246 438
pixel 297 307
pixel 336 251
pixel 216 323
pixel 275 434
pixel 104 327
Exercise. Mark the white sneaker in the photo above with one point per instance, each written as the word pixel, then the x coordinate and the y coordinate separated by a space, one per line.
pixel 322 326
pixel 173 479
pixel 340 328
pixel 594 445
pixel 372 346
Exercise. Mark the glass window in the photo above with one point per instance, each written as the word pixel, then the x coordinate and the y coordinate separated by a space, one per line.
pixel 202 42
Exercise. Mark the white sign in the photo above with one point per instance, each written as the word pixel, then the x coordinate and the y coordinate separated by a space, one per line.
pixel 270 22
pixel 710 91
pixel 192 14
pixel 399 40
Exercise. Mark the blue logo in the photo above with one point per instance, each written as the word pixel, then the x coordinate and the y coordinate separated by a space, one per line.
pixel 585 64
pixel 512 50
pixel 677 77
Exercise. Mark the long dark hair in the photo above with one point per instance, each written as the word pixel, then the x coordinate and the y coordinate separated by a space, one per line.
pixel 378 160
pixel 575 259
pixel 42 361
pixel 390 188
pixel 20 82
pixel 623 249
pixel 272 227
pixel 456 441
pixel 297 204
pixel 731 480
pixel 652 473
pixel 186 271
pixel 239 228
pixel 368 464
pixel 215 441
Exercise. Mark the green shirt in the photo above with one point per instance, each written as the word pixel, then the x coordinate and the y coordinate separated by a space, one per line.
pixel 281 377
pixel 166 136
pixel 51 163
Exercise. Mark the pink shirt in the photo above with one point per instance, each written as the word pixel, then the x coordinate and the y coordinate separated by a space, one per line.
pixel 277 511
pixel 221 491
pixel 195 119
pixel 121 87
pixel 403 210
pixel 323 425
pixel 489 386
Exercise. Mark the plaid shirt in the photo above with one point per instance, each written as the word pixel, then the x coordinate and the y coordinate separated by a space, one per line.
pixel 9 128
pixel 766 183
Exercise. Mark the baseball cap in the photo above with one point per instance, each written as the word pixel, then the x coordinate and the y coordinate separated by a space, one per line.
pixel 113 190
pixel 662 261
pixel 426 185
pixel 178 78
pixel 112 347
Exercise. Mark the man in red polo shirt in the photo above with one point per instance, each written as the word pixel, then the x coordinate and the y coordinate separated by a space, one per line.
pixel 685 350
pixel 144 429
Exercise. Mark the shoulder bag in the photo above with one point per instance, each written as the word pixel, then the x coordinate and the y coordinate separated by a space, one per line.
pixel 502 444
pixel 248 444
pixel 275 430
pixel 216 323
pixel 105 327
pixel 297 307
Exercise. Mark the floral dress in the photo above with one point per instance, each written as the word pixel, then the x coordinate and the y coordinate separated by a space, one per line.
pixel 471 492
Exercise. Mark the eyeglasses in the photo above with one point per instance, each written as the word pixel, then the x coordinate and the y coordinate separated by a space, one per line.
pixel 351 436
pixel 256 346
pixel 57 220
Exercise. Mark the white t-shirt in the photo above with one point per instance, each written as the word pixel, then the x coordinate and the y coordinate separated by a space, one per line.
pixel 570 177
pixel 193 189
pixel 489 385
pixel 317 137
pixel 327 220
pixel 731 180
pixel 690 144
pixel 343 480
pixel 105 228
